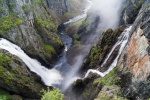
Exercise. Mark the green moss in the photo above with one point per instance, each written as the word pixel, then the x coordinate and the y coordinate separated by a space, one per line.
pixel 79 22
pixel 4 60
pixel 54 94
pixel 109 79
pixel 1 1
pixel 104 96
pixel 49 50
pixel 47 23
pixel 100 50
pixel 47 28
pixel 25 8
pixel 4 95
pixel 11 5
pixel 6 22
pixel 38 1
pixel 57 39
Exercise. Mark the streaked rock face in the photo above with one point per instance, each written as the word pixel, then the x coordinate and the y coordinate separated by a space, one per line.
pixel 135 57
pixel 59 6
pixel 134 63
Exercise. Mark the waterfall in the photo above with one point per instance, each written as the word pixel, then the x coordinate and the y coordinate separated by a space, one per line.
pixel 112 50
pixel 49 77
pixel 80 16
pixel 123 41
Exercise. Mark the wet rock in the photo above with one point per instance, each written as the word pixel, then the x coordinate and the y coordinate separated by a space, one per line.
pixel 16 78
pixel 84 89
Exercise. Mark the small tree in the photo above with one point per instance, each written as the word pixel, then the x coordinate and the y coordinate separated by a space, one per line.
pixel 54 94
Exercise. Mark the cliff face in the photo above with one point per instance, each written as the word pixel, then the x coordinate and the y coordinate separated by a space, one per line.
pixel 134 62
pixel 32 25
pixel 132 69
pixel 59 6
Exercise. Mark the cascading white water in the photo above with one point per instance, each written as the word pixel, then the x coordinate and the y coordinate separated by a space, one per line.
pixel 83 15
pixel 49 77
pixel 112 50
pixel 122 42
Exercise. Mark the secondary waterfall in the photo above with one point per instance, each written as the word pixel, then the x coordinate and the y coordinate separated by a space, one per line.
pixel 122 42
pixel 49 77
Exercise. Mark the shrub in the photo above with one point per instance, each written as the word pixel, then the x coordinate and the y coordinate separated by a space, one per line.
pixel 54 94
pixel 6 22
pixel 4 95
pixel 109 79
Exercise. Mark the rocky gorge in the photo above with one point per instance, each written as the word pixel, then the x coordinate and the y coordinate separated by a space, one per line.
pixel 68 42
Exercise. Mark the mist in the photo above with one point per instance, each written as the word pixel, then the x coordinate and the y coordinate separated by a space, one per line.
pixel 104 14
pixel 109 12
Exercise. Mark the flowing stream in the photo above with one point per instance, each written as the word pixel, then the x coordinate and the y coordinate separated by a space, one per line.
pixel 49 77
pixel 83 15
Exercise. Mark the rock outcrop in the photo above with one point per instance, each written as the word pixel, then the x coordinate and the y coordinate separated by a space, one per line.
pixel 100 50
pixel 133 66
pixel 32 25
pixel 16 78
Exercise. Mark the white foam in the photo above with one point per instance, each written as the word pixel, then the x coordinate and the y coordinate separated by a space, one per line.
pixel 49 77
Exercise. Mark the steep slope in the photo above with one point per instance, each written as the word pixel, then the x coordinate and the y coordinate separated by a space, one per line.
pixel 16 78
pixel 133 66
pixel 32 25
pixel 29 25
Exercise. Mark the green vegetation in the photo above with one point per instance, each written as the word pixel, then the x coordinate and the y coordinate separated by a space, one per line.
pixel 79 22
pixel 54 94
pixel 6 22
pixel 104 45
pixel 49 50
pixel 4 95
pixel 4 61
pixel 109 79
pixel 46 27
pixel 76 39
pixel 104 96
pixel 45 22
pixel 25 8
pixel 73 28
pixel 38 1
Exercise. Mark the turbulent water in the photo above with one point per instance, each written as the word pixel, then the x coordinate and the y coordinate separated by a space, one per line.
pixel 49 77
pixel 63 74
pixel 122 42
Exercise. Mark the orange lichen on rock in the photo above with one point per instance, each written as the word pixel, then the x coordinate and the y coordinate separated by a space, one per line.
pixel 137 59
